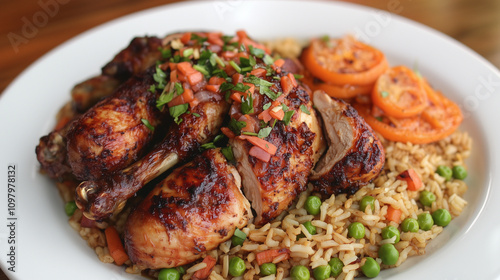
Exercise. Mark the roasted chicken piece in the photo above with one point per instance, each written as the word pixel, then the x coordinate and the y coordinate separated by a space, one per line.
pixel 112 134
pixel 139 55
pixel 99 199
pixel 197 207
pixel 272 186
pixel 355 155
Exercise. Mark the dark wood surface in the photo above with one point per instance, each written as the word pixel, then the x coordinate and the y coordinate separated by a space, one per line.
pixel 475 23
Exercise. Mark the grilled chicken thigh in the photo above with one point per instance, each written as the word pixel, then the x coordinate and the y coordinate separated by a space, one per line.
pixel 272 186
pixel 112 135
pixel 141 53
pixel 197 207
pixel 355 155
pixel 99 199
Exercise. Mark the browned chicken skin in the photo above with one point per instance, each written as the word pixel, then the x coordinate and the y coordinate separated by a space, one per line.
pixel 99 199
pixel 139 55
pixel 355 155
pixel 272 186
pixel 111 135
pixel 192 211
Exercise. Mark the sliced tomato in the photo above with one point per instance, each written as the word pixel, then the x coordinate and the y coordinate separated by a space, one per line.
pixel 344 61
pixel 439 120
pixel 337 91
pixel 400 93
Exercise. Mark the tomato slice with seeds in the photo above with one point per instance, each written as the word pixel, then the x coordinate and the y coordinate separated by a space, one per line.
pixel 338 91
pixel 400 93
pixel 344 61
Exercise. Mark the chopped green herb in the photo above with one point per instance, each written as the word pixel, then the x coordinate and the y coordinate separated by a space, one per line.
pixel 228 153
pixel 152 88
pixel 178 88
pixel 188 52
pixel 288 116
pixel 266 106
pixel 303 108
pixel 201 69
pixel 269 93
pixel 207 146
pixel 196 115
pixel 241 87
pixel 236 126
pixel 249 133
pixel 264 132
pixel 252 61
pixel 177 111
pixel 160 77
pixel 235 66
pixel 242 48
pixel 278 78
pixel 256 51
pixel 268 60
pixel 384 94
pixel 198 38
pixel 165 53
pixel 148 125
pixel 298 76
pixel 164 99
pixel 247 105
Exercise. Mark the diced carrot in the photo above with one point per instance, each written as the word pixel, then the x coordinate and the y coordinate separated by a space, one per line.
pixel 279 62
pixel 251 89
pixel 261 143
pixel 194 78
pixel 193 103
pixel 205 272
pixel 216 80
pixel 215 38
pixel 277 114
pixel 185 97
pixel 241 34
pixel 393 214
pixel 181 77
pixel 259 153
pixel 251 123
pixel 228 132
pixel 185 68
pixel 412 179
pixel 115 245
pixel 229 69
pixel 259 72
pixel 186 37
pixel 236 96
pixel 237 78
pixel 292 79
pixel 213 88
pixel 172 65
pixel 173 76
pixel 268 255
pixel 265 116
pixel 286 85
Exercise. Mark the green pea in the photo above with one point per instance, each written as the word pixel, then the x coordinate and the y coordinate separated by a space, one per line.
pixel 169 274
pixel 427 198
pixel 312 205
pixel 356 230
pixel 388 253
pixel 310 228
pixel 371 268
pixel 336 264
pixel 300 272
pixel 70 208
pixel 445 172
pixel 389 232
pixel 409 225
pixel 425 221
pixel 236 266
pixel 267 269
pixel 441 217
pixel 459 172
pixel 365 201
pixel 322 272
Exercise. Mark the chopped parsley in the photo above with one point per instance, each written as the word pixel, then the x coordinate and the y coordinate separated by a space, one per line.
pixel 164 99
pixel 148 125
pixel 178 88
pixel 264 132
pixel 228 153
pixel 236 126
pixel 256 51
pixel 304 109
pixel 177 111
pixel 160 77
pixel 288 116
pixel 247 105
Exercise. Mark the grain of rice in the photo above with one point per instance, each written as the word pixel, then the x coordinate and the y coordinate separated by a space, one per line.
pixel 196 267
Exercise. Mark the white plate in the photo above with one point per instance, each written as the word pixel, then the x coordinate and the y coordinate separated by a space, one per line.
pixel 46 245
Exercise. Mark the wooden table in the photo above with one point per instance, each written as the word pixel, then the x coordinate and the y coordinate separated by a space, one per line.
pixel 472 22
